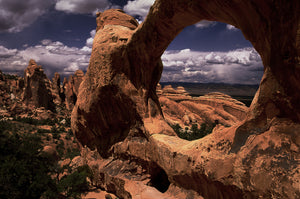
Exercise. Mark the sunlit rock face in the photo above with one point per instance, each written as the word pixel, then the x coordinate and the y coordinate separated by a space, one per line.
pixel 118 112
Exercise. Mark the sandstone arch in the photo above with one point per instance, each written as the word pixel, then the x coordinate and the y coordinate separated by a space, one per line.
pixel 117 110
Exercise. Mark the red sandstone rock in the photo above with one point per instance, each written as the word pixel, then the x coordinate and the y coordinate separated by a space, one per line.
pixel 118 112
pixel 37 87
pixel 71 87
pixel 56 90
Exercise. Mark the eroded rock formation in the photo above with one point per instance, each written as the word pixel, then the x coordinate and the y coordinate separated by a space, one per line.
pixel 56 90
pixel 37 87
pixel 208 109
pixel 71 87
pixel 118 112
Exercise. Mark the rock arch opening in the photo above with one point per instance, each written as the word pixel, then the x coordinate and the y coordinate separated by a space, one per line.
pixel 203 86
pixel 134 68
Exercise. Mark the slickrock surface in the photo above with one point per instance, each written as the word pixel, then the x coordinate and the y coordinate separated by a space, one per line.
pixel 180 108
pixel 119 114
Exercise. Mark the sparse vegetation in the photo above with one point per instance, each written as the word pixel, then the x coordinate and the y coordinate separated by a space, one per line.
pixel 27 172
pixel 194 133
pixel 33 121
pixel 12 77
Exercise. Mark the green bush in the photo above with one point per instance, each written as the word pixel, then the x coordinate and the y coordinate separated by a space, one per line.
pixel 55 133
pixel 72 152
pixel 60 148
pixel 75 184
pixel 194 132
pixel 23 169
pixel 43 131
pixel 27 172
pixel 29 120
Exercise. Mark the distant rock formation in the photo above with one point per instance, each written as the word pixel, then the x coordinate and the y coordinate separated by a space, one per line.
pixel 37 91
pixel 175 94
pixel 71 87
pixel 180 108
pixel 56 90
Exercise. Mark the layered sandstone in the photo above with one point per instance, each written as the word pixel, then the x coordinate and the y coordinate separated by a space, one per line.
pixel 211 108
pixel 119 114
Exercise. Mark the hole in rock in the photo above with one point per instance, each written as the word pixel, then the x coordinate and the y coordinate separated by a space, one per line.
pixel 211 57
pixel 159 178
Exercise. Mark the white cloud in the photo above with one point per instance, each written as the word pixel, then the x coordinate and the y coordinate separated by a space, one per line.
pixel 53 56
pixel 138 7
pixel 5 53
pixel 242 66
pixel 205 24
pixel 89 41
pixel 231 27
pixel 82 6
pixel 15 15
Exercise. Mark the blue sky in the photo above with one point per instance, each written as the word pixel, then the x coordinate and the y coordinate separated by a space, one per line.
pixel 58 34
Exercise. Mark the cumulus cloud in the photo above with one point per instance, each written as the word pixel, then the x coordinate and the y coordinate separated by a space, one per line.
pixel 89 41
pixel 82 6
pixel 231 27
pixel 15 15
pixel 205 24
pixel 6 53
pixel 53 56
pixel 138 7
pixel 241 66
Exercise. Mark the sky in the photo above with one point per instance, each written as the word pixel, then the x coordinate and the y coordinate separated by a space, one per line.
pixel 58 34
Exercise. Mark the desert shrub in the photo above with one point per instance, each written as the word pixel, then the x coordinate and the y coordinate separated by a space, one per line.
pixel 23 169
pixel 42 131
pixel 70 132
pixel 55 133
pixel 6 126
pixel 27 120
pixel 60 148
pixel 68 137
pixel 68 122
pixel 11 77
pixel 194 133
pixel 27 172
pixel 74 184
pixel 72 152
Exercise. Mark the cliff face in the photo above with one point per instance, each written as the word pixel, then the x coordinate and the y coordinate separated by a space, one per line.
pixel 118 112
